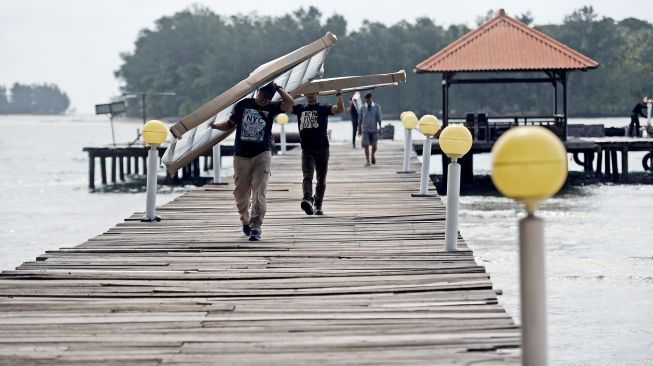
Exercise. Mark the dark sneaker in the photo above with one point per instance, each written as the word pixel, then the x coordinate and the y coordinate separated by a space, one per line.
pixel 246 229
pixel 318 208
pixel 319 212
pixel 255 235
pixel 373 160
pixel 307 206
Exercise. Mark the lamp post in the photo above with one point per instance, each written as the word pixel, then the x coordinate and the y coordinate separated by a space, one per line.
pixel 455 141
pixel 530 164
pixel 428 125
pixel 154 134
pixel 217 164
pixel 282 120
pixel 409 120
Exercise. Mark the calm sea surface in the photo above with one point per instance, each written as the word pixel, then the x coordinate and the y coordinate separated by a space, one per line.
pixel 599 238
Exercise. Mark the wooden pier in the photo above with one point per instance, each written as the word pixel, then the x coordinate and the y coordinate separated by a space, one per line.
pixel 369 283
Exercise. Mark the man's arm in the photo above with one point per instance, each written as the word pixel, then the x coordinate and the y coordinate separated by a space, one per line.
pixel 287 101
pixel 224 126
pixel 340 106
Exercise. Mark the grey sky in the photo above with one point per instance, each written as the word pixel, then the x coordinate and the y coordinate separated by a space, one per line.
pixel 76 43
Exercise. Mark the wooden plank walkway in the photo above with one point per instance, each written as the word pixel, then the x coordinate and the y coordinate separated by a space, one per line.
pixel 369 283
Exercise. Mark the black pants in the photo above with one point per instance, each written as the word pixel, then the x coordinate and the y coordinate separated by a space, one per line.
pixel 354 129
pixel 315 161
pixel 634 124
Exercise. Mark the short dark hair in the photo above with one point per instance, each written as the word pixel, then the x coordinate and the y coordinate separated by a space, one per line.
pixel 368 95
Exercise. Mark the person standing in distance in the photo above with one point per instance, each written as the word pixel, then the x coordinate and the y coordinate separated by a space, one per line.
pixel 253 118
pixel 353 112
pixel 368 117
pixel 313 119
pixel 638 110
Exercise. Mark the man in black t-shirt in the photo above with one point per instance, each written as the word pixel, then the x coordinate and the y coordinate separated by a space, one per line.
pixel 313 119
pixel 252 118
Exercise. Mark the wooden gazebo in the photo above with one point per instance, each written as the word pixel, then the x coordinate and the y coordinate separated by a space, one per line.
pixel 506 45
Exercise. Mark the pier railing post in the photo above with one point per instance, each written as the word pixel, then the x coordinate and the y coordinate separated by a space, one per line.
pixel 428 125
pixel 409 120
pixel 529 164
pixel 426 167
pixel 217 164
pixel 282 120
pixel 455 141
pixel 152 162
pixel 453 196
pixel 283 140
pixel 533 291
pixel 407 145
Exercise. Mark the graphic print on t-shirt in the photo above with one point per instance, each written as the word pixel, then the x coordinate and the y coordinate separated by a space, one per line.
pixel 308 120
pixel 253 125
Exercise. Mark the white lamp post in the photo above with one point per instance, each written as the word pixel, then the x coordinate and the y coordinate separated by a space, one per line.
pixel 530 164
pixel 154 134
pixel 409 120
pixel 282 120
pixel 428 125
pixel 455 141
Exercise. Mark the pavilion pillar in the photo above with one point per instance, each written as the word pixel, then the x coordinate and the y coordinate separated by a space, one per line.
pixel 564 105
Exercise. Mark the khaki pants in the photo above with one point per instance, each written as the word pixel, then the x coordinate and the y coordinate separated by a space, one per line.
pixel 251 177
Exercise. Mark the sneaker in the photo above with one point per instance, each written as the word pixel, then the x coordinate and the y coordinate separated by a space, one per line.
pixel 307 206
pixel 367 164
pixel 255 235
pixel 246 229
pixel 373 160
pixel 318 209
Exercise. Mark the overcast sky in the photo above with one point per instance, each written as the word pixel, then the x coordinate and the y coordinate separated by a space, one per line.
pixel 76 43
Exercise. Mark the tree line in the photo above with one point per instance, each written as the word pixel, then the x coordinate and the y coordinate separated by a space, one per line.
pixel 199 54
pixel 33 99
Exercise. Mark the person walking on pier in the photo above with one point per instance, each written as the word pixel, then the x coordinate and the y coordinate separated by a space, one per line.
pixel 634 128
pixel 312 119
pixel 353 112
pixel 253 118
pixel 368 117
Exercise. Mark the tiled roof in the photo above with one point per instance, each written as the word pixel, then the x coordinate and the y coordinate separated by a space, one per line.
pixel 505 44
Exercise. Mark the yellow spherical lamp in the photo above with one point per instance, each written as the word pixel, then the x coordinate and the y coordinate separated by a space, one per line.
pixel 455 141
pixel 529 164
pixel 282 118
pixel 428 125
pixel 409 120
pixel 155 132
pixel 401 116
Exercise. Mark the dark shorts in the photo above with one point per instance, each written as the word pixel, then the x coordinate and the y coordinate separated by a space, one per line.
pixel 369 138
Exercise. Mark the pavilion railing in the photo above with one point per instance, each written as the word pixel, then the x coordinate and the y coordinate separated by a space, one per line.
pixel 489 128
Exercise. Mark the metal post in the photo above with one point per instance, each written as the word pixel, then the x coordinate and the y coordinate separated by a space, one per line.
pixel 407 147
pixel 113 133
pixel 282 137
pixel 152 160
pixel 143 106
pixel 532 283
pixel 649 105
pixel 426 162
pixel 453 194
pixel 217 164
